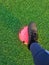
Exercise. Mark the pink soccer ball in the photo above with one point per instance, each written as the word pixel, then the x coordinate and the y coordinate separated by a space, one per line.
pixel 23 35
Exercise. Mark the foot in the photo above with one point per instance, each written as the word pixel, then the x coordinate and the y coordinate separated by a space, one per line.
pixel 33 34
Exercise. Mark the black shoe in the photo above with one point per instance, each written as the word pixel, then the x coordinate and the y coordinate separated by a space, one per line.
pixel 33 34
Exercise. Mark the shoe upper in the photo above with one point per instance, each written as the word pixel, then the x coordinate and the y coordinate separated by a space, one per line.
pixel 32 32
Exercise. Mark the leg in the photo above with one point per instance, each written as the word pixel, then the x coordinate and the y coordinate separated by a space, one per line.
pixel 40 56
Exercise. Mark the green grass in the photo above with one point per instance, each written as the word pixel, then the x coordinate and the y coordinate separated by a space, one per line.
pixel 13 15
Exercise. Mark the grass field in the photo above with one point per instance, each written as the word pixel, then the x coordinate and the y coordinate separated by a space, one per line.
pixel 13 15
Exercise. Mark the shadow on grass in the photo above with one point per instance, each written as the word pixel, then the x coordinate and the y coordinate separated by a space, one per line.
pixel 8 19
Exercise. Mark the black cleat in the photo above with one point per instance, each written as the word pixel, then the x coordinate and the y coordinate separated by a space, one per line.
pixel 33 34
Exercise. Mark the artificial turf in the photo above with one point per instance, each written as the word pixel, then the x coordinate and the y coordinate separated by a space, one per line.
pixel 14 14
